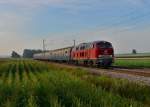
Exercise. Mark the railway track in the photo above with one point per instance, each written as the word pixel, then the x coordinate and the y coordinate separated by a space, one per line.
pixel 139 72
pixel 117 69
pixel 134 75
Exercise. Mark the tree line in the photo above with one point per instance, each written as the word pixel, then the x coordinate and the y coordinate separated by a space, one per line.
pixel 27 53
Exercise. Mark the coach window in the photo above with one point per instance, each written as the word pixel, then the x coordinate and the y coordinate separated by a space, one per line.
pixel 77 48
pixel 66 52
pixel 81 48
pixel 91 46
pixel 84 47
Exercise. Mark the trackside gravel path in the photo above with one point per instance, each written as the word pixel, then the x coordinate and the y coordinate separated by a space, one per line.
pixel 135 75
pixel 123 75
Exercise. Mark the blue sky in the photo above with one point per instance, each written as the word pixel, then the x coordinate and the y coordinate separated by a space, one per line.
pixel 24 23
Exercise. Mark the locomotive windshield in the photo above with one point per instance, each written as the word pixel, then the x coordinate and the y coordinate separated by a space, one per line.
pixel 104 45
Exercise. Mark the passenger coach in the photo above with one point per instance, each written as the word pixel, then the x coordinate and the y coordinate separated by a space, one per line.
pixel 61 55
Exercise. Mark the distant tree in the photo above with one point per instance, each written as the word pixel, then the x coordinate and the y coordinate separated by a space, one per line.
pixel 28 53
pixel 15 55
pixel 134 51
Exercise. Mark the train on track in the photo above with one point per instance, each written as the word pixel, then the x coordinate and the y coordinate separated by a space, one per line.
pixel 97 53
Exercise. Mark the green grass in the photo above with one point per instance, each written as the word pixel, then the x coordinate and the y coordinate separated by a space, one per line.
pixel 130 55
pixel 27 83
pixel 133 63
pixel 121 87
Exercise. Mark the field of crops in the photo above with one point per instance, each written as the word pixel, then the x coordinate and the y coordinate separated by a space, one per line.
pixel 133 62
pixel 27 83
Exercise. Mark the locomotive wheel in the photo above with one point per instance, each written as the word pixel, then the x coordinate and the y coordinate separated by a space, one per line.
pixel 98 65
pixel 91 63
pixel 76 62
pixel 85 63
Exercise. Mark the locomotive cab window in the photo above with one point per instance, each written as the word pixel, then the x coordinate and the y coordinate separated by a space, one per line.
pixel 104 45
pixel 77 48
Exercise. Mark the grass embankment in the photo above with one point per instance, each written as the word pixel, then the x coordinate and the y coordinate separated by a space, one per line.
pixel 133 63
pixel 27 83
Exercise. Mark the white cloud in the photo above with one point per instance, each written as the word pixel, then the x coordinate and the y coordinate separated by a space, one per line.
pixel 11 31
pixel 138 1
pixel 9 41
pixel 69 5
pixel 12 41
pixel 10 21
pixel 29 3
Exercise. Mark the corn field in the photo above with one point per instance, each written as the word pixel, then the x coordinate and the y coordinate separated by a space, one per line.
pixel 28 83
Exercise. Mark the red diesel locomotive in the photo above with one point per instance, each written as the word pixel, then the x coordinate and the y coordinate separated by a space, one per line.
pixel 94 53
pixel 99 53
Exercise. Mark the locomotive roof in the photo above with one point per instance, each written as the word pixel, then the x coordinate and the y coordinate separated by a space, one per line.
pixel 99 41
pixel 92 42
